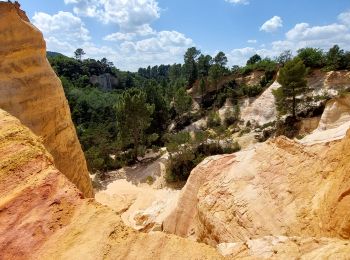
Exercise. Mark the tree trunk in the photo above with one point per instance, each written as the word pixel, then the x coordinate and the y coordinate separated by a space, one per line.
pixel 294 103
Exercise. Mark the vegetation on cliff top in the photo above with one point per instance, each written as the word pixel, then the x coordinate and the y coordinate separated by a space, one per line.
pixel 160 98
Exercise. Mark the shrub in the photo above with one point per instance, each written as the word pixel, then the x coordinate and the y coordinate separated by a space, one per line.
pixel 186 158
pixel 312 57
pixel 213 119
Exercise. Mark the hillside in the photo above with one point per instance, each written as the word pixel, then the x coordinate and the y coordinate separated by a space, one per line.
pixel 182 161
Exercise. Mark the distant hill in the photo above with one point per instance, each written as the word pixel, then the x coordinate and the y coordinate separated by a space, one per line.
pixel 53 54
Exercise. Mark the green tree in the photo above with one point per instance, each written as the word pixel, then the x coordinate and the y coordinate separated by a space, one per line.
pixel 312 57
pixel 335 58
pixel 190 65
pixel 182 101
pixel 160 116
pixel 221 59
pixel 213 119
pixel 202 86
pixel 254 59
pixel 292 78
pixel 284 57
pixel 134 116
pixel 79 53
pixel 215 72
pixel 203 64
pixel 175 72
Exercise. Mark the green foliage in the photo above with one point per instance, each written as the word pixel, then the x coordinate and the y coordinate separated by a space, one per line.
pixel 254 59
pixel 312 57
pixel 251 91
pixel 173 141
pixel 262 64
pixel 190 65
pixel 133 118
pixel 221 59
pixel 182 101
pixel 79 53
pixel 160 119
pixel 232 115
pixel 284 57
pixel 292 78
pixel 202 86
pixel 215 72
pixel 187 157
pixel 337 59
pixel 204 63
pixel 213 119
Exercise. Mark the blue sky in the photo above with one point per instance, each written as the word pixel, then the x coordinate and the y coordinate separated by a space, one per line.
pixel 137 33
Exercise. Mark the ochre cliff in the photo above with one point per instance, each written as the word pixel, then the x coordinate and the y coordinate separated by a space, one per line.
pixel 31 91
pixel 278 193
pixel 334 123
pixel 43 215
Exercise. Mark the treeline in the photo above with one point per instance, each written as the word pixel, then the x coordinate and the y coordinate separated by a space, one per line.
pixel 137 113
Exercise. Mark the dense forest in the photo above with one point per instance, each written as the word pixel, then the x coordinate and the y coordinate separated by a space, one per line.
pixel 119 115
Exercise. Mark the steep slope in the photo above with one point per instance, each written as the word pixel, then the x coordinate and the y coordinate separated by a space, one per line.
pixel 261 110
pixel 30 90
pixel 43 215
pixel 334 123
pixel 278 188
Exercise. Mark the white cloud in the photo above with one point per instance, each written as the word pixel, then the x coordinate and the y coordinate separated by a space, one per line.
pixel 304 32
pixel 241 55
pixel 300 36
pixel 252 41
pixel 165 47
pixel 130 15
pixel 64 33
pixel 272 25
pixel 243 2
pixel 141 31
pixel 63 26
pixel 344 18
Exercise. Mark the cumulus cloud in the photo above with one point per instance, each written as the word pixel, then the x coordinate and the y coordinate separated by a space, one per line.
pixel 141 31
pixel 63 26
pixel 272 24
pixel 165 47
pixel 300 36
pixel 64 32
pixel 344 18
pixel 243 2
pixel 129 15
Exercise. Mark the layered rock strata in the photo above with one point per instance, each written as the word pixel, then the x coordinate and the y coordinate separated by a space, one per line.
pixel 43 215
pixel 280 188
pixel 31 91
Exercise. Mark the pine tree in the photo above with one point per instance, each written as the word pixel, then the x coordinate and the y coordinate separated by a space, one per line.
pixel 292 77
pixel 133 118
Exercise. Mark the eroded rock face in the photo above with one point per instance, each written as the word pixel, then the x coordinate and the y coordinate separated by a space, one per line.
pixel 31 91
pixel 282 247
pixel 261 110
pixel 278 188
pixel 43 215
pixel 334 123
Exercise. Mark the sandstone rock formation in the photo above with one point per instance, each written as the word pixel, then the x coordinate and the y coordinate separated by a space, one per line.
pixel 31 91
pixel 278 188
pixel 282 247
pixel 43 215
pixel 331 82
pixel 334 123
pixel 261 110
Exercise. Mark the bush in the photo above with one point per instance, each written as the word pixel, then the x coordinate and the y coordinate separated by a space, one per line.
pixel 185 159
pixel 312 57
pixel 213 119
